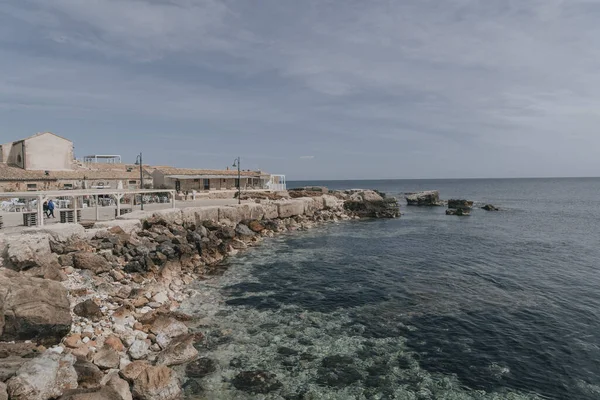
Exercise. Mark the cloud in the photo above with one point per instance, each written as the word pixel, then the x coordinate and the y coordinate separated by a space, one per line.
pixel 472 84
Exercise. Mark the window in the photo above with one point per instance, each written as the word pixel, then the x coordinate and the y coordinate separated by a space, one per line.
pixel 32 186
pixel 133 182
pixel 68 186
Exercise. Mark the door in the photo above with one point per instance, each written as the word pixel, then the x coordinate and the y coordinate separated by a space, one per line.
pixel 178 186
pixel 207 184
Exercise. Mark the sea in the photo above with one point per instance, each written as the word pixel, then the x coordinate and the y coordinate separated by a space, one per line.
pixel 495 305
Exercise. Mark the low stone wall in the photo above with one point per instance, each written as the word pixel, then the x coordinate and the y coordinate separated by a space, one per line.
pixel 114 292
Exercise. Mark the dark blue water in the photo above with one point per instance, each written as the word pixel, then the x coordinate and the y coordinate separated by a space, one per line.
pixel 495 305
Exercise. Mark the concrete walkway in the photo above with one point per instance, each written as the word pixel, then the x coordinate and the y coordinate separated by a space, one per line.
pixel 13 221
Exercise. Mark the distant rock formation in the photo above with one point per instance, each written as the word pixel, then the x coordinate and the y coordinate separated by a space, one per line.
pixel 424 199
pixel 460 204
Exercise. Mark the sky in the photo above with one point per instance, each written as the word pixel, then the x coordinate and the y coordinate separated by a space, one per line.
pixel 314 89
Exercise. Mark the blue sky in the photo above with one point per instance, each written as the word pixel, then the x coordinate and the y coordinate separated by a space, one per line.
pixel 331 89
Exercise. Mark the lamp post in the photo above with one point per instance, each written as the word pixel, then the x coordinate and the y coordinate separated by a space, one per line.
pixel 139 162
pixel 237 163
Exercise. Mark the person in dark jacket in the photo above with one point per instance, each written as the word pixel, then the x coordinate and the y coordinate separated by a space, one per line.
pixel 51 209
pixel 45 206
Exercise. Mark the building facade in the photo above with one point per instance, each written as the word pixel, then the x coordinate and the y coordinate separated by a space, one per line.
pixel 42 152
pixel 188 180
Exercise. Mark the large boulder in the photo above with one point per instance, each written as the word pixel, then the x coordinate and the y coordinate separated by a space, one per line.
pixel 45 377
pixel 128 226
pixel 290 208
pixel 91 261
pixel 33 309
pixel 25 251
pixel 428 198
pixel 271 210
pixel 383 208
pixel 234 214
pixel 330 202
pixel 365 195
pixel 59 232
pixel 157 383
pixel 172 216
pixel 166 328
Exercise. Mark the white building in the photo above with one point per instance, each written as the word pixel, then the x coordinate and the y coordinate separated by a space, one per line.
pixel 41 152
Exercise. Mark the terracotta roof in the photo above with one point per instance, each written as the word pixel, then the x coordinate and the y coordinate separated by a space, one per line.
pixel 9 173
pixel 185 171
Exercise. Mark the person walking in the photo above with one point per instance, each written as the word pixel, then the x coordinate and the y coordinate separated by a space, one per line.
pixel 51 209
pixel 45 206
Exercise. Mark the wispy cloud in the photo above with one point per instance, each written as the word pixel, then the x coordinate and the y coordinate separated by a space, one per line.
pixel 471 84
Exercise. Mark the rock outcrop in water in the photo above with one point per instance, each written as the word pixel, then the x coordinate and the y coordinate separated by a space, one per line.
pixel 369 204
pixel 458 211
pixel 490 207
pixel 118 293
pixel 460 204
pixel 428 198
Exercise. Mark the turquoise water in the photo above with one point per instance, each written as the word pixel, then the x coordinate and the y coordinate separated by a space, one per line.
pixel 496 305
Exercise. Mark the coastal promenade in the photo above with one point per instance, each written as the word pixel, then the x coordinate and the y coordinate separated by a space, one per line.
pixel 13 221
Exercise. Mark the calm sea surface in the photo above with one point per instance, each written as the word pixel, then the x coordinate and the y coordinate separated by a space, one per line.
pixel 497 305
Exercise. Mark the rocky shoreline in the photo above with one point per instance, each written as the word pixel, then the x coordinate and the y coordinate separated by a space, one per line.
pixel 93 314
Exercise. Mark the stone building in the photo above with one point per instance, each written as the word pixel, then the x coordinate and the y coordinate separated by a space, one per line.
pixel 14 179
pixel 204 180
pixel 40 152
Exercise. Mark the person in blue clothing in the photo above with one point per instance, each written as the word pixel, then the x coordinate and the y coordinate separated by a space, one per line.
pixel 50 209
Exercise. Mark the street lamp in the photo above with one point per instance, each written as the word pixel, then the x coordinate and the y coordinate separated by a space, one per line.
pixel 138 161
pixel 237 163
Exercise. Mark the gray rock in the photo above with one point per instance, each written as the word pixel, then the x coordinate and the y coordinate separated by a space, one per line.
pixel 9 366
pixel 459 212
pixel 45 377
pixel 243 230
pixel 3 391
pixel 139 349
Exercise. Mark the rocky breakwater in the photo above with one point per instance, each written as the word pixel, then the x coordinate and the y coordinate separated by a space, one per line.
pixel 92 314
pixel 459 207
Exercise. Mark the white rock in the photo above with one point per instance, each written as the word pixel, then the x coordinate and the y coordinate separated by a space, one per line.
pixel 139 349
pixel 160 297
pixel 45 377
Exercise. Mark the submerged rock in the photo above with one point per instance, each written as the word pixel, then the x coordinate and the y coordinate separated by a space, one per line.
pixel 428 198
pixel 256 382
pixel 490 207
pixel 338 371
pixel 201 368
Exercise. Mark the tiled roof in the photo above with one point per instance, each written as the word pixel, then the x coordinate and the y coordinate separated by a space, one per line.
pixel 185 171
pixel 9 173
